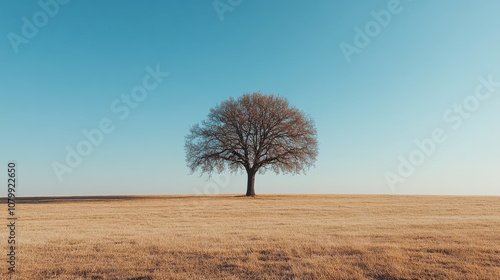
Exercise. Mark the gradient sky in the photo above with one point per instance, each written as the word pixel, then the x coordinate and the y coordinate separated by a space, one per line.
pixel 368 112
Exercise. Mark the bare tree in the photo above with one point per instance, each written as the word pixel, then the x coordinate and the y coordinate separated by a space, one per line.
pixel 255 132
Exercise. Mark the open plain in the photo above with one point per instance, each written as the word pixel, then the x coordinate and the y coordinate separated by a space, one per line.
pixel 264 237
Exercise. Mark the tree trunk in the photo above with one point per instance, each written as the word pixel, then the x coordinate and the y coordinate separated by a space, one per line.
pixel 251 180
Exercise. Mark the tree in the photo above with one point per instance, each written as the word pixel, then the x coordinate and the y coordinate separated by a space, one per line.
pixel 255 132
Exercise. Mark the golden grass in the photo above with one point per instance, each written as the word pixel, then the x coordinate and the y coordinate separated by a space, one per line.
pixel 266 237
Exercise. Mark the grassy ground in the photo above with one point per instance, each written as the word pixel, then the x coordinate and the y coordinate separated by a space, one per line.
pixel 266 237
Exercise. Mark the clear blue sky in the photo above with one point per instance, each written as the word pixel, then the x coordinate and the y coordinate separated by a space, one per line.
pixel 369 111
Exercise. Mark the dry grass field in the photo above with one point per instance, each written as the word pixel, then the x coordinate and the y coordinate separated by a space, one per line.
pixel 265 237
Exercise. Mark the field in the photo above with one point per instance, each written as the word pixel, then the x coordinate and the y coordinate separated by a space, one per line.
pixel 265 237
